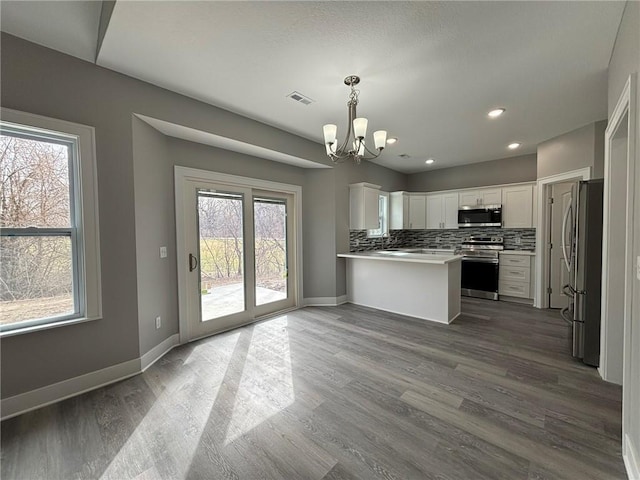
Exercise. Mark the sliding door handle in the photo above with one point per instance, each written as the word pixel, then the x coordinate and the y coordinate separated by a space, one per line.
pixel 193 262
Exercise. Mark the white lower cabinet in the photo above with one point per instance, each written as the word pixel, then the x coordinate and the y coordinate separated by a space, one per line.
pixel 516 277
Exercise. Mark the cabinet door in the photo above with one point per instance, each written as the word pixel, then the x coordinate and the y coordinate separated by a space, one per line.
pixel 491 197
pixel 363 207
pixel 517 207
pixel 398 211
pixel 434 211
pixel 468 199
pixel 417 212
pixel 371 208
pixel 450 210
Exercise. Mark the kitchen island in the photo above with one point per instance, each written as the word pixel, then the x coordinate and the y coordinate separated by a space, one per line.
pixel 422 285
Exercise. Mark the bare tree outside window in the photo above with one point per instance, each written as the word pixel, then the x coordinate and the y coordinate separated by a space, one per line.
pixel 221 225
pixel 36 268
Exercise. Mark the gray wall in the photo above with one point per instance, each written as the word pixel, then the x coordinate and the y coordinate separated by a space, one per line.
pixel 574 150
pixel 154 159
pixel 625 60
pixel 155 227
pixel 42 81
pixel 495 172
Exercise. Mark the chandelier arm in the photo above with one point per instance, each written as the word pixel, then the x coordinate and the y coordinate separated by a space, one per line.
pixel 375 154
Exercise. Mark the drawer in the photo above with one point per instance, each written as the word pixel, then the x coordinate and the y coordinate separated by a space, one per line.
pixel 515 260
pixel 519 274
pixel 514 289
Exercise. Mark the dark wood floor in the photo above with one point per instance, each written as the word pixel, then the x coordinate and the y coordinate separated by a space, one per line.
pixel 341 393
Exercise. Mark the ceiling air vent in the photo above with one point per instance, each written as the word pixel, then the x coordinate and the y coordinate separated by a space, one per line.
pixel 298 97
pixel 404 155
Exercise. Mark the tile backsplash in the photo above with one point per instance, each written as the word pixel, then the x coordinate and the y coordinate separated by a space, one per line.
pixel 358 241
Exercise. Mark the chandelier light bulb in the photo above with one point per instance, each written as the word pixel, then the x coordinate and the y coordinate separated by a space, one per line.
pixel 330 132
pixel 360 127
pixel 380 139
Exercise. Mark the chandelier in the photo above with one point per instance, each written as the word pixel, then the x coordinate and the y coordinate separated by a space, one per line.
pixel 353 147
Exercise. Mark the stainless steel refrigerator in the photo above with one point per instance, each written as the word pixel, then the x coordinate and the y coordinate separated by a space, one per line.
pixel 583 259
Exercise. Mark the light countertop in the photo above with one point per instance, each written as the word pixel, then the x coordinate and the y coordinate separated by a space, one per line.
pixel 517 252
pixel 398 256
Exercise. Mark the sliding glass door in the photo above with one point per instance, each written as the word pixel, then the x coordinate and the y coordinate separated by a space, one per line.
pixel 238 254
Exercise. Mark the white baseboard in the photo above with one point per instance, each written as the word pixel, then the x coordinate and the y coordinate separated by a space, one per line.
pixel 71 387
pixel 56 392
pixel 631 459
pixel 157 352
pixel 325 301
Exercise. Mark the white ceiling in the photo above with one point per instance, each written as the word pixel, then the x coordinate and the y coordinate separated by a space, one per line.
pixel 67 26
pixel 430 70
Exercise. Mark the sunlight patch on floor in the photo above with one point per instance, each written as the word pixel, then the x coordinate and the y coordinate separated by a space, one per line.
pixel 178 416
pixel 266 386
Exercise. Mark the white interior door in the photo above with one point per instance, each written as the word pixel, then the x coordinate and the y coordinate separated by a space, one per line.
pixel 558 273
pixel 238 257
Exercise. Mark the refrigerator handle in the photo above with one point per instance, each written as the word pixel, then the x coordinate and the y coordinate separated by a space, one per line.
pixel 564 230
pixel 569 291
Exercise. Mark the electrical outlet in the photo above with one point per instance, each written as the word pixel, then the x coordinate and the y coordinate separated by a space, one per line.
pixel 158 322
pixel 163 252
pixel 438 239
pixel 518 240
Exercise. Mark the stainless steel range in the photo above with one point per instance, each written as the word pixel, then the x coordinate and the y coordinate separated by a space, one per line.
pixel 480 261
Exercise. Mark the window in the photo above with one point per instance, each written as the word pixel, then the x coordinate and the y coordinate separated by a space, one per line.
pixel 383 217
pixel 49 253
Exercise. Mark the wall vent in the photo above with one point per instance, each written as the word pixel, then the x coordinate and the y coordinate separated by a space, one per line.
pixel 298 97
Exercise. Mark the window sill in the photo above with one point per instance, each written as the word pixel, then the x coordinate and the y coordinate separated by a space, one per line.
pixel 46 326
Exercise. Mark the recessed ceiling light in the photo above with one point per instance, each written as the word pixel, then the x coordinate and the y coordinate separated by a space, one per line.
pixel 514 145
pixel 391 141
pixel 429 161
pixel 496 113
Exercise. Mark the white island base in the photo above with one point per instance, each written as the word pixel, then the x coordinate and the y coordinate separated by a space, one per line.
pixel 422 286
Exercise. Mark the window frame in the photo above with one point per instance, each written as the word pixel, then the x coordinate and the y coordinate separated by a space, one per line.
pixel 84 229
pixel 383 218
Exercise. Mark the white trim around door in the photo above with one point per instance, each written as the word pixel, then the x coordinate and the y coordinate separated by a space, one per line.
pixel 184 179
pixel 541 299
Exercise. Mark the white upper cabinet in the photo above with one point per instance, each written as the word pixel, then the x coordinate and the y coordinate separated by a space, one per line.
pixel 398 210
pixel 517 206
pixel 485 196
pixel 417 212
pixel 442 211
pixel 434 211
pixel 407 211
pixel 450 215
pixel 364 206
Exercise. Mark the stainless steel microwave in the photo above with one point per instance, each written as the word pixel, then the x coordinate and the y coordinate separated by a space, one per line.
pixel 480 216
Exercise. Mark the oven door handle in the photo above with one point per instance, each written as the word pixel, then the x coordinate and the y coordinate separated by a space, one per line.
pixel 481 260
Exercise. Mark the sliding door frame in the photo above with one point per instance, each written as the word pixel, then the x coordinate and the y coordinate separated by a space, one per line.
pixel 182 175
